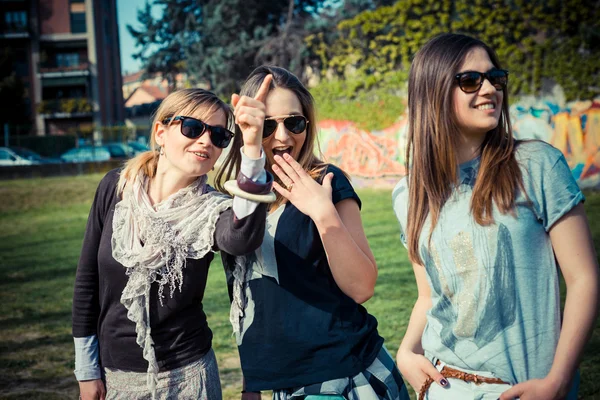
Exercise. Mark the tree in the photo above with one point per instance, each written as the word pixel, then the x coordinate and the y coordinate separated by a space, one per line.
pixel 162 41
pixel 217 41
pixel 555 39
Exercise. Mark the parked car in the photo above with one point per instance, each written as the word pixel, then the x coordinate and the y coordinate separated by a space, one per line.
pixel 119 150
pixel 86 154
pixel 33 156
pixel 10 156
pixel 138 147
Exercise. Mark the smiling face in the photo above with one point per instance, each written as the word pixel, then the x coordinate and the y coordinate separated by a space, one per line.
pixel 479 112
pixel 281 102
pixel 187 157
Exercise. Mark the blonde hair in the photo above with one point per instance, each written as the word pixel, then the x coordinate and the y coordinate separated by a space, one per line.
pixel 184 102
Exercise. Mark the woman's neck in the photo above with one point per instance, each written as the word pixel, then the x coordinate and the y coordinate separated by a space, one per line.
pixel 469 147
pixel 167 181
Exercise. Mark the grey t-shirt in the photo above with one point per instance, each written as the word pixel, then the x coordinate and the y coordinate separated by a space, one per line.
pixel 494 289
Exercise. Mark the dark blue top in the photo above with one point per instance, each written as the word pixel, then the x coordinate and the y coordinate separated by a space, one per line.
pixel 299 328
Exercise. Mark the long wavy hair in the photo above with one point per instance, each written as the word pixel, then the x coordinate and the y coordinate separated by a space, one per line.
pixel 185 102
pixel 433 135
pixel 282 78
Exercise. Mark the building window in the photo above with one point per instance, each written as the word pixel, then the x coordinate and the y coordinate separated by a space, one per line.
pixel 67 59
pixel 78 23
pixel 77 9
pixel 21 62
pixel 15 21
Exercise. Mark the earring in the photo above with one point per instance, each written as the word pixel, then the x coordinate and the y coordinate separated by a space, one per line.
pixel 162 151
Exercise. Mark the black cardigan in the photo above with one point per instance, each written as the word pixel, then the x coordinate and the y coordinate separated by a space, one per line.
pixel 179 329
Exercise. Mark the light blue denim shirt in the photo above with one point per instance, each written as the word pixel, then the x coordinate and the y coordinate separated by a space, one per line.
pixel 495 289
pixel 87 366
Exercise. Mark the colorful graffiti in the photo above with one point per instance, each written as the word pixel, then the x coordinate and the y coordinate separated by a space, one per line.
pixel 377 158
pixel 573 129
pixel 372 158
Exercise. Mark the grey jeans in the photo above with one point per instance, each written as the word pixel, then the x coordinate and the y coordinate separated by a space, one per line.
pixel 196 381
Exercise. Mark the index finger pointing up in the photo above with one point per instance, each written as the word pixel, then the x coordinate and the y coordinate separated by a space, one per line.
pixel 261 95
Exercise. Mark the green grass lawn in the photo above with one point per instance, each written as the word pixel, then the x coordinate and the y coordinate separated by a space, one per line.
pixel 41 229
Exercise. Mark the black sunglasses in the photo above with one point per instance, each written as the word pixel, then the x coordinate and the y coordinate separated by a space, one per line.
pixel 472 81
pixel 293 123
pixel 194 128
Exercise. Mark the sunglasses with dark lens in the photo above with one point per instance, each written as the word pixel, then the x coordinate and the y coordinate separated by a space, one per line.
pixel 472 81
pixel 293 123
pixel 194 128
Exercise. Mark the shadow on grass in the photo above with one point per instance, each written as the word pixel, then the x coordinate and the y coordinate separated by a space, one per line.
pixel 36 395
pixel 15 243
pixel 590 385
pixel 16 275
pixel 29 318
pixel 38 389
pixel 11 346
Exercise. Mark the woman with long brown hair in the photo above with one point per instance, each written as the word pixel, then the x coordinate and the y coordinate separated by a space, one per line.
pixel 138 322
pixel 296 311
pixel 483 217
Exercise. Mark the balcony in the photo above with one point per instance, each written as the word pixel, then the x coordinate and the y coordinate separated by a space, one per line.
pixel 65 108
pixel 47 70
pixel 64 38
pixel 14 31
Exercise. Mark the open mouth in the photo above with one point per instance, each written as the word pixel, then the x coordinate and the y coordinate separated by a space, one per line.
pixel 487 106
pixel 201 154
pixel 280 151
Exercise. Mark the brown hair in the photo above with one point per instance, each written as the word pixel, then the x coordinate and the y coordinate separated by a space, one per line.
pixel 433 139
pixel 181 102
pixel 282 78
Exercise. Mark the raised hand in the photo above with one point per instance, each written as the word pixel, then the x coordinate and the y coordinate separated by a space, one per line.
pixel 250 116
pixel 310 197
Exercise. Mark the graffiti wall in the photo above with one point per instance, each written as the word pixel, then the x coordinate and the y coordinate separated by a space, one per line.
pixel 573 129
pixel 376 158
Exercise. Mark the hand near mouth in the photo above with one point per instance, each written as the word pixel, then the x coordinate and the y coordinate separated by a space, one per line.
pixel 306 194
pixel 250 116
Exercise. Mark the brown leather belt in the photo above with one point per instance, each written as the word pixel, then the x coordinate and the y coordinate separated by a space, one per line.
pixel 448 372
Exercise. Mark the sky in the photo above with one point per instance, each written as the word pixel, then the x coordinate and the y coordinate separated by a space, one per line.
pixel 127 14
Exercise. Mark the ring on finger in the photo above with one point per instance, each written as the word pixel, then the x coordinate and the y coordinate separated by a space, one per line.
pixel 289 186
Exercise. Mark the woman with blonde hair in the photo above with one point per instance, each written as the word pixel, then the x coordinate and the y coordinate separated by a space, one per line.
pixel 487 221
pixel 138 322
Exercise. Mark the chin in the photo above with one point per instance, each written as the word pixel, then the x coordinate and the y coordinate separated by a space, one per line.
pixel 196 172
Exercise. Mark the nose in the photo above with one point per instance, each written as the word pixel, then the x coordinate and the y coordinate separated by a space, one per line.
pixel 205 138
pixel 281 133
pixel 487 87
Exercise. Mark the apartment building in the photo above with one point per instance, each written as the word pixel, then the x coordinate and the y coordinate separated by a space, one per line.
pixel 66 53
